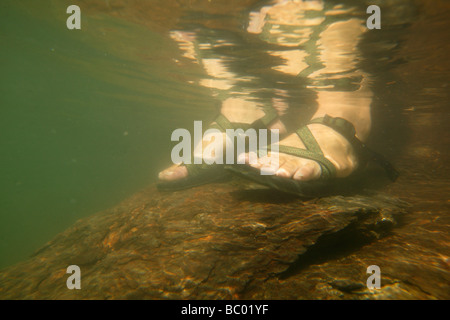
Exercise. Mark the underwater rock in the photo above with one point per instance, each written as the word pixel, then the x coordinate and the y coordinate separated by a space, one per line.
pixel 230 240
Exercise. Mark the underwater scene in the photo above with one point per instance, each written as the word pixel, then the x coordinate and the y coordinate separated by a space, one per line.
pixel 224 150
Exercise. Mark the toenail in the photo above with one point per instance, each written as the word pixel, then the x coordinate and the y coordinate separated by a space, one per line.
pixel 241 158
pixel 269 170
pixel 282 172
pixel 299 176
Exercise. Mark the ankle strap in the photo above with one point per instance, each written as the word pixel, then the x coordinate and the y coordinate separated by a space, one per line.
pixel 346 129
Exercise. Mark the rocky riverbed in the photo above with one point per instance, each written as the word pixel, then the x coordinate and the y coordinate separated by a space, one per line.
pixel 230 240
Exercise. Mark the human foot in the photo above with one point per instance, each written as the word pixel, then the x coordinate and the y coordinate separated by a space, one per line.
pixel 306 157
pixel 233 111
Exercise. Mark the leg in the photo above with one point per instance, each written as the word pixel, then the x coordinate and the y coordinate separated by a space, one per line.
pixel 338 54
pixel 239 106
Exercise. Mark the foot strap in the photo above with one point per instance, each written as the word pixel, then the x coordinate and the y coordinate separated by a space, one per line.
pixel 312 152
pixel 222 123
pixel 346 129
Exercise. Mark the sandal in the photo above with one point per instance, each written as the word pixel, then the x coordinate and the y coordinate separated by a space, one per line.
pixel 200 174
pixel 327 180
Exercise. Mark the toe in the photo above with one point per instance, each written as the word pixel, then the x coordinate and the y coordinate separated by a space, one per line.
pixel 255 162
pixel 248 158
pixel 287 168
pixel 270 164
pixel 175 172
pixel 309 171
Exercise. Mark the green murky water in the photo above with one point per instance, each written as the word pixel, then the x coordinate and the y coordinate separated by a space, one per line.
pixel 83 117
pixel 86 115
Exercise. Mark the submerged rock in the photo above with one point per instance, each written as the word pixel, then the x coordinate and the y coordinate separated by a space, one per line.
pixel 221 241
